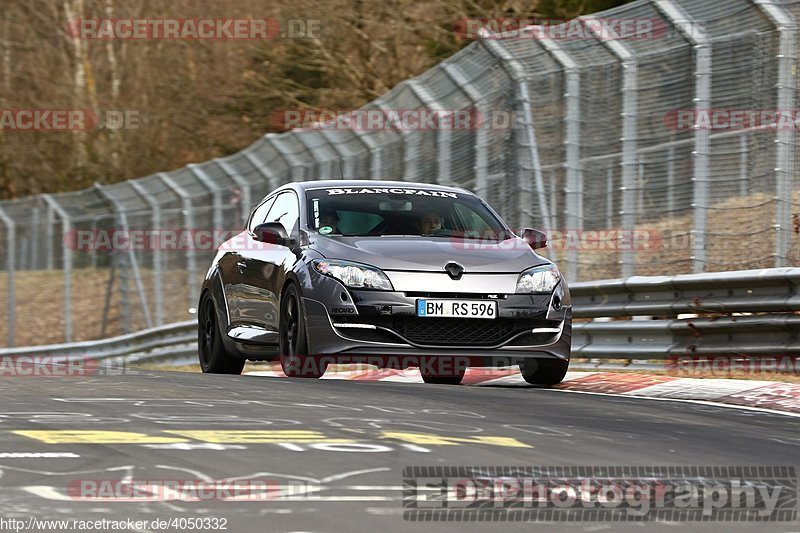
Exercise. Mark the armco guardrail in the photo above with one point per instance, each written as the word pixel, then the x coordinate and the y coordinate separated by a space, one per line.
pixel 167 338
pixel 596 133
pixel 749 313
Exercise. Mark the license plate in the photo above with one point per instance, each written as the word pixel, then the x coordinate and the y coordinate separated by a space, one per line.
pixel 457 308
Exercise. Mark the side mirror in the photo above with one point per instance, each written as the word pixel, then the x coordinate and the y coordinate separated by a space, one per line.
pixel 535 238
pixel 272 233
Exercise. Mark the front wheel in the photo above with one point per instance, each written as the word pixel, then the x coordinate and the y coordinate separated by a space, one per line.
pixel 544 371
pixel 443 372
pixel 214 359
pixel 293 341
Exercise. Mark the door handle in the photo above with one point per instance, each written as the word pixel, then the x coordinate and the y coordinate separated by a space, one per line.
pixel 241 265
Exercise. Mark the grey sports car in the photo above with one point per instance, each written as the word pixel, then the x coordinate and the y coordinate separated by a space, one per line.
pixel 394 274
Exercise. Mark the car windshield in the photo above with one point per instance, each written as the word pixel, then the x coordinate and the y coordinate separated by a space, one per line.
pixel 380 211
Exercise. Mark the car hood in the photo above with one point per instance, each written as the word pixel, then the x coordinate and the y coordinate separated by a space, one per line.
pixel 426 254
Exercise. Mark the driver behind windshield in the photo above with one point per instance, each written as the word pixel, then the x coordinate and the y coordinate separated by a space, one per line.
pixel 429 222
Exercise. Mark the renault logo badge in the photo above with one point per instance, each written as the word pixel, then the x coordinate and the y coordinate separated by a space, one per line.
pixel 454 270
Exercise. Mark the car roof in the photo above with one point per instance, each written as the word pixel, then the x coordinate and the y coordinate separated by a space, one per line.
pixel 323 184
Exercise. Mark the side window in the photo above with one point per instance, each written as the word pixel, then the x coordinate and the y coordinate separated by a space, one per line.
pixel 286 211
pixel 259 216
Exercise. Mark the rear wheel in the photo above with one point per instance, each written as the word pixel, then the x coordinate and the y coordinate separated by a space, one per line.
pixel 544 371
pixel 293 341
pixel 214 359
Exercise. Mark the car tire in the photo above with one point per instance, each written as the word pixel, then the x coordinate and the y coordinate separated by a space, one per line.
pixel 214 358
pixel 295 361
pixel 439 378
pixel 544 371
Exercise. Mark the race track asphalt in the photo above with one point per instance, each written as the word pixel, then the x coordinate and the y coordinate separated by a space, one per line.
pixel 332 453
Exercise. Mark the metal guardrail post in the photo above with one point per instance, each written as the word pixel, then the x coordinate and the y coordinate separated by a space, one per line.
pixel 374 150
pixel 744 178
pixel 246 202
pixel 671 180
pixel 11 300
pixel 481 168
pixel 574 190
pixel 155 214
pixel 610 195
pixel 334 163
pixel 702 142
pixel 264 170
pixel 66 259
pixel 630 96
pixel 343 158
pixel 35 262
pixel 444 136
pixel 216 195
pixel 50 236
pixel 296 165
pixel 188 222
pixel 785 153
pixel 517 73
pixel 410 145
pixel 137 276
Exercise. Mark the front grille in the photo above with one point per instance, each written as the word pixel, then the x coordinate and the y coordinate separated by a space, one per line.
pixel 451 331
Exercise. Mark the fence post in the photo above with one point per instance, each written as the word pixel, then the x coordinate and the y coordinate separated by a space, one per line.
pixel 454 72
pixel 443 135
pixel 345 160
pixel 630 95
pixel 702 142
pixel 137 277
pixel 11 300
pixel 155 213
pixel 36 226
pixel 216 195
pixel 574 189
pixel 375 168
pixel 318 162
pixel 743 177
pixel 188 222
pixel 244 185
pixel 410 145
pixel 66 259
pixel 50 233
pixel 297 167
pixel 516 72
pixel 785 153
pixel 671 181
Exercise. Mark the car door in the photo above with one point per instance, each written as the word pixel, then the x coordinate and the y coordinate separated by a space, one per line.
pixel 266 266
pixel 234 261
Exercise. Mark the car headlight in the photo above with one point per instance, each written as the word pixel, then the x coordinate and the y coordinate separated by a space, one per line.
pixel 538 279
pixel 354 275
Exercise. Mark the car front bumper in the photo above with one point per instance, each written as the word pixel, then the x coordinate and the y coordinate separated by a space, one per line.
pixel 359 324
